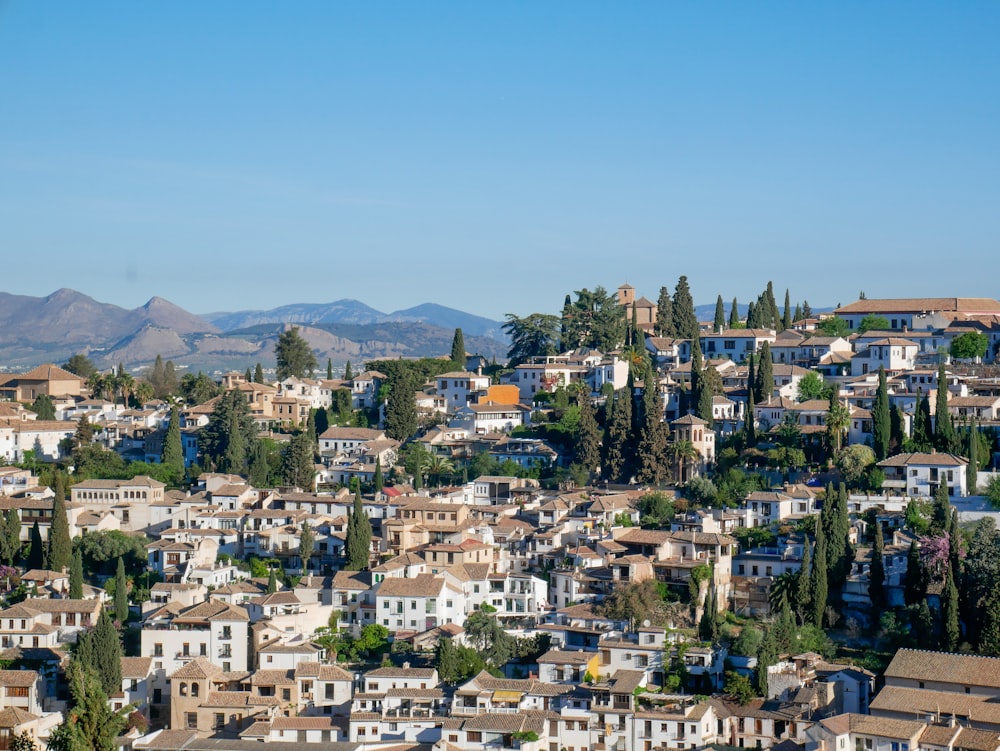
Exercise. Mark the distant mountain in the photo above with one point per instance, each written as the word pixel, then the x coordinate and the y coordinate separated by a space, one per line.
pixel 35 330
pixel 355 312
pixel 340 311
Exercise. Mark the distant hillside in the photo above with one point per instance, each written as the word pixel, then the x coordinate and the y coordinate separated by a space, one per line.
pixel 35 330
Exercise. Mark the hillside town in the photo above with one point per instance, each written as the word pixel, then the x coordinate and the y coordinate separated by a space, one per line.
pixel 643 532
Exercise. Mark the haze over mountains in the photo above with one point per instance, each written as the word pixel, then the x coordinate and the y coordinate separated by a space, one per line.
pixel 34 330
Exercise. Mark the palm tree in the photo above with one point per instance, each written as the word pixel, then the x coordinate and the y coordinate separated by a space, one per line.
pixel 143 392
pixel 438 465
pixel 125 385
pixel 684 453
pixel 838 419
pixel 99 384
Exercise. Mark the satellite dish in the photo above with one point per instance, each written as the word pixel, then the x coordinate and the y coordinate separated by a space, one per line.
pixel 645 623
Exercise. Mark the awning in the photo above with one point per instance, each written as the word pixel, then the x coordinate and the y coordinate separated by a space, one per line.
pixel 507 695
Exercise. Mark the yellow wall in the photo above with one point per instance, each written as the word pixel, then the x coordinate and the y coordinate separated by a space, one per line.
pixel 503 394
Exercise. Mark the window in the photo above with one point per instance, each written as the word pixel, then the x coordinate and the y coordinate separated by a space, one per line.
pixel 286 694
pixel 191 720
pixel 227 632
pixel 194 689
pixel 220 720
pixel 157 650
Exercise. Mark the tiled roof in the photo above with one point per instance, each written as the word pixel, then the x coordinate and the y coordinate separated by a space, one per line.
pixel 200 667
pixel 18 678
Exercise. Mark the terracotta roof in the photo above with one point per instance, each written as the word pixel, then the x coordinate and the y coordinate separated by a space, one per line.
pixel 938 460
pixel 18 678
pixel 918 664
pixel 200 667
pixel 921 304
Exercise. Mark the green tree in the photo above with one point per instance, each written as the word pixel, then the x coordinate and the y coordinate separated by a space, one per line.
pixel 786 319
pixel 854 462
pixel 298 467
pixel 121 593
pixel 60 552
pixel 811 386
pixel 457 663
pixel 664 314
pixel 43 407
pixel 872 322
pixel 615 462
pixel 80 365
pixel 294 355
pixel 734 315
pixel 307 544
pixel 989 639
pixel 972 468
pixel 11 539
pixel 487 636
pixel 258 373
pixel 348 372
pixel 832 326
pixel 683 317
pixel 379 480
pixel 458 348
pixel 944 430
pixel 36 551
pixel 272 582
pixel 358 542
pixel 818 576
pixel 876 573
pixel 739 687
pixel 708 627
pixel 532 336
pixel 838 419
pixel 227 442
pixel 923 435
pixel 802 595
pixel 90 724
pixel 764 384
pixel 881 427
pixel 76 576
pixel 914 585
pixel 766 657
pixel 972 345
pixel 401 408
pixel 587 444
pixel 329 369
pixel 596 320
pixel 720 315
pixel 173 452
pixel 950 631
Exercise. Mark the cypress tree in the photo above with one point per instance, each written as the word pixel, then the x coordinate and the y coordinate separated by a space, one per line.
pixel 401 407
pixel 734 315
pixel 704 407
pixel 379 479
pixel 359 537
pixel 896 436
pixel 774 317
pixel 752 322
pixel 107 654
pixel 587 448
pixel 458 348
pixel 876 573
pixel 881 427
pixel 329 369
pixel 972 469
pixel 348 373
pixel 664 314
pixel 272 582
pixel 36 553
pixel 797 315
pixel 76 576
pixel 764 386
pixel 258 374
pixel 913 588
pixel 941 510
pixel 806 310
pixel 696 370
pixel 616 438
pixel 786 320
pixel 767 655
pixel 720 315
pixel 818 582
pixel 60 544
pixel 944 430
pixel 803 584
pixel 922 435
pixel 307 544
pixel 12 534
pixel 685 320
pixel 121 593
pixel 173 451
pixel 950 632
pixel 248 376
pixel 925 624
pixel 989 635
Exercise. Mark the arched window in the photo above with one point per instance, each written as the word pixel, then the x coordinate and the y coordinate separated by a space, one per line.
pixel 194 689
pixel 184 689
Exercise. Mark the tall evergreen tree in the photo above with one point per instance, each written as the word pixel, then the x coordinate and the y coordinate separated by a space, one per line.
pixel 298 467
pixel 329 369
pixel 90 724
pixel 989 634
pixel 819 584
pixel 272 582
pixel 121 593
pixel 734 315
pixel 774 317
pixel 294 355
pixel 767 656
pixel 881 425
pixel 708 627
pixel 348 373
pixel 248 376
pixel 664 314
pixel 764 379
pixel 797 315
pixel 379 479
pixel 36 552
pixel 922 436
pixel 307 544
pixel 786 320
pixel 803 584
pixel 359 537
pixel 944 430
pixel 107 653
pixel 720 315
pixel 258 374
pixel 616 438
pixel 972 468
pixel 950 630
pixel 173 451
pixel 76 576
pixel 913 587
pixel 401 407
pixel 458 348
pixel 876 573
pixel 896 434
pixel 752 320
pixel 806 310
pixel 60 545
pixel 685 320
pixel 941 510
pixel 12 536
pixel 587 445
pixel 749 422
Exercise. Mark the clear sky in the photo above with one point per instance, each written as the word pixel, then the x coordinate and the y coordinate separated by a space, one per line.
pixel 495 156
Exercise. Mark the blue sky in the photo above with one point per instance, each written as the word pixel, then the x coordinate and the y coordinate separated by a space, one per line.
pixel 495 156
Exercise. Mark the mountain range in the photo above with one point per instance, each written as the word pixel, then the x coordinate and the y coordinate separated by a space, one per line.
pixel 34 330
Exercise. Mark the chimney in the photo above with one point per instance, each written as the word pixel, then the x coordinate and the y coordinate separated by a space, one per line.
pixel 406 666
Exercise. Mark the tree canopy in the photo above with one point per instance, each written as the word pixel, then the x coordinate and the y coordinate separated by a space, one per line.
pixel 294 355
pixel 532 336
